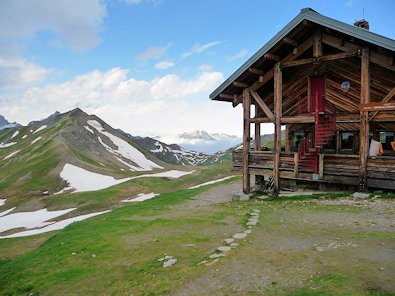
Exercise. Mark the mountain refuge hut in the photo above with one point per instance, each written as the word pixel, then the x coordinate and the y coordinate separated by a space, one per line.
pixel 330 87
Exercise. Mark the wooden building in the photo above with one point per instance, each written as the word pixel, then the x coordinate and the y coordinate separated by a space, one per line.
pixel 330 87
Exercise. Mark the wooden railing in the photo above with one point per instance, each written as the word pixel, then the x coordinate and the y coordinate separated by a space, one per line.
pixel 333 168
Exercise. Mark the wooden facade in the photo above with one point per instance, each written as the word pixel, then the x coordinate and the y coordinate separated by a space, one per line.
pixel 330 86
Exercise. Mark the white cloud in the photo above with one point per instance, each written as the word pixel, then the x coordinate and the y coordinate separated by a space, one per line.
pixel 74 22
pixel 199 48
pixel 242 53
pixel 349 3
pixel 153 53
pixel 152 107
pixel 17 74
pixel 205 67
pixel 163 65
pixel 132 1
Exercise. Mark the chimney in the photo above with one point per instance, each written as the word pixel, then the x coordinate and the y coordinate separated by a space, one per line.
pixel 364 24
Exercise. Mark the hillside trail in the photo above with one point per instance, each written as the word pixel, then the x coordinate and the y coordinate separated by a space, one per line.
pixel 295 242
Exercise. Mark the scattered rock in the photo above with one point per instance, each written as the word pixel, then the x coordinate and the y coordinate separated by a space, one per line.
pixel 93 255
pixel 212 262
pixel 251 223
pixel 188 245
pixel 254 214
pixel 202 262
pixel 169 263
pixel 360 195
pixel 168 257
pixel 229 240
pixel 248 231
pixel 224 249
pixel 256 211
pixel 234 245
pixel 216 255
pixel 161 259
pixel 240 196
pixel 74 253
pixel 239 235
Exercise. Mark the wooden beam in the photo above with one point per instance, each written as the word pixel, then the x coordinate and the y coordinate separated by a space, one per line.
pixel 386 99
pixel 327 58
pixel 297 119
pixel 246 139
pixel 271 57
pixel 375 57
pixel 290 41
pixel 364 124
pixel 317 44
pixel 257 132
pixel 262 104
pixel 227 97
pixel 290 57
pixel 378 106
pixel 256 71
pixel 240 84
pixel 277 128
pixel 260 120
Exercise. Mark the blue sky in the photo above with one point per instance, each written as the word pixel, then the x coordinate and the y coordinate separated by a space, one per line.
pixel 146 66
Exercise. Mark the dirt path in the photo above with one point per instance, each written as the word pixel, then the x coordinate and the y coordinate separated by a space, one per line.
pixel 297 245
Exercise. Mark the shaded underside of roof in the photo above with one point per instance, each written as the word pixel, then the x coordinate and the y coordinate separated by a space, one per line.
pixel 299 29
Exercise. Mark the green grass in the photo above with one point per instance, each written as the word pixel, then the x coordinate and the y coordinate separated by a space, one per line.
pixel 125 259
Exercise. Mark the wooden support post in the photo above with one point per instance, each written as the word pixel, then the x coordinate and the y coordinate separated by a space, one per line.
pixel 277 127
pixel 288 140
pixel 364 124
pixel 321 166
pixel 257 132
pixel 317 44
pixel 296 164
pixel 246 139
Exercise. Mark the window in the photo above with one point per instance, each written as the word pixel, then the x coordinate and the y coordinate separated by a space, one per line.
pixel 347 140
pixel 297 137
pixel 386 138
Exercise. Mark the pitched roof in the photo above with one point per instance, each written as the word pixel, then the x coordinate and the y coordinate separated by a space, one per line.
pixel 312 16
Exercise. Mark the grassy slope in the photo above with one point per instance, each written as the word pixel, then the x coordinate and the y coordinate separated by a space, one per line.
pixel 27 173
pixel 127 242
pixel 122 263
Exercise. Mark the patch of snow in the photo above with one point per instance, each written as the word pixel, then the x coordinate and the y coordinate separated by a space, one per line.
pixel 89 129
pixel 2 145
pixel 30 220
pixel 210 182
pixel 141 197
pixel 6 212
pixel 35 140
pixel 173 174
pixel 14 134
pixel 31 131
pixel 24 137
pixel 160 147
pixel 125 149
pixel 102 164
pixel 11 155
pixel 40 128
pixel 81 180
pixel 54 226
pixel 2 201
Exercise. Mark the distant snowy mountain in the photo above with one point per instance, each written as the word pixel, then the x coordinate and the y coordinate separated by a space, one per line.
pixel 200 140
pixel 175 154
pixel 201 135
pixel 4 123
